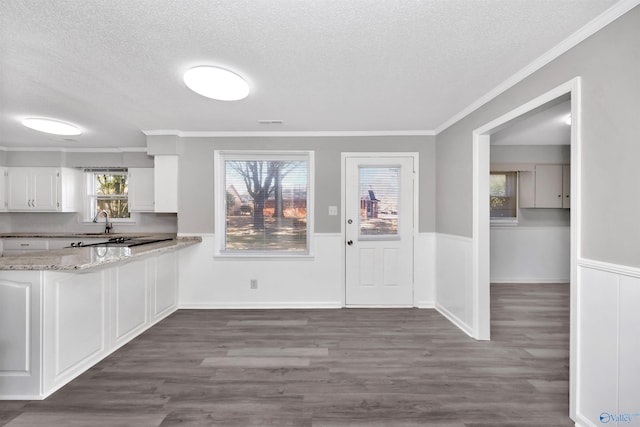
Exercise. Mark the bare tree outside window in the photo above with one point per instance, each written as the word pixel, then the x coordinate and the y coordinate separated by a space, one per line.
pixel 266 205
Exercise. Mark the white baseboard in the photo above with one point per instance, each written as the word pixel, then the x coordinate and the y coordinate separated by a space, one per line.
pixel 425 304
pixel 454 319
pixel 21 397
pixel 260 306
pixel 530 280
pixel 583 422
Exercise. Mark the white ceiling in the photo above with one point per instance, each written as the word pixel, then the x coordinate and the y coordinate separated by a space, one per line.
pixel 543 126
pixel 115 68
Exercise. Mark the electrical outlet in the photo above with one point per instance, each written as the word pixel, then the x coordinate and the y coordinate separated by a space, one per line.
pixel 333 210
pixel 253 284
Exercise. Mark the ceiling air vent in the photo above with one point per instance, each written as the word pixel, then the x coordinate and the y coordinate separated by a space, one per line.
pixel 270 122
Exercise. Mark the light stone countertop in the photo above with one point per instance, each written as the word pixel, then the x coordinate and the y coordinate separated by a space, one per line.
pixel 73 259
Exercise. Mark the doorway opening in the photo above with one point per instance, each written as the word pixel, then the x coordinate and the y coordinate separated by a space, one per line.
pixel 481 214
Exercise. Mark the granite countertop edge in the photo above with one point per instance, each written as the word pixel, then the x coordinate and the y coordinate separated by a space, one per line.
pixel 84 258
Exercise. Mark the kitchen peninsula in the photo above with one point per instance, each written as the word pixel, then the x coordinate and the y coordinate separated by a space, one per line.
pixel 63 310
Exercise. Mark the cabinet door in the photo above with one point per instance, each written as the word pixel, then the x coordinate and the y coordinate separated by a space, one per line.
pixel 566 186
pixel 548 186
pixel 3 190
pixel 141 193
pixel 527 187
pixel 19 194
pixel 44 184
pixel 166 183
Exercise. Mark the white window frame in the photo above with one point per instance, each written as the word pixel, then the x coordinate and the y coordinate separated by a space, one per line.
pixel 220 156
pixel 89 212
pixel 508 220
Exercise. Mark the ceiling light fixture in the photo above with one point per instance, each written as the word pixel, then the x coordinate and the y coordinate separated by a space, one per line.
pixel 54 127
pixel 568 120
pixel 216 83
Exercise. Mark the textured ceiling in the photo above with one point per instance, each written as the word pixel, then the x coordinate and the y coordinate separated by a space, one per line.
pixel 114 67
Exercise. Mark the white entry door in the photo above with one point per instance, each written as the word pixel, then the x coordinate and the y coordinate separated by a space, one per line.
pixel 379 231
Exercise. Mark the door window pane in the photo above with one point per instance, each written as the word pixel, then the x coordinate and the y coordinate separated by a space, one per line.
pixel 379 200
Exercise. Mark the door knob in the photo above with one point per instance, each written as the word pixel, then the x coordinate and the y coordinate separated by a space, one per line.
pixel 350 221
pixel 349 242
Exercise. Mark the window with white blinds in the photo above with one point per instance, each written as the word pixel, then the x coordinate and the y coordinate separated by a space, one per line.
pixel 503 195
pixel 264 203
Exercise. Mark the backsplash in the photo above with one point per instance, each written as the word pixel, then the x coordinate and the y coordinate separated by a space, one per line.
pixel 54 222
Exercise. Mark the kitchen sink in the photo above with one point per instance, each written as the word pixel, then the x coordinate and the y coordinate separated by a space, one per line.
pixel 123 242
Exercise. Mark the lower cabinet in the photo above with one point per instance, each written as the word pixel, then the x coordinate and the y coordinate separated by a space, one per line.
pixel 56 325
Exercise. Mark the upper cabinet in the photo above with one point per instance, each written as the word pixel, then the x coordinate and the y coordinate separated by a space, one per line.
pixel 547 186
pixel 43 189
pixel 166 183
pixel 141 190
pixel 3 189
pixel 566 186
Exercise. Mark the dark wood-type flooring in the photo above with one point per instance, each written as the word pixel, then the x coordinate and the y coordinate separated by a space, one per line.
pixel 350 367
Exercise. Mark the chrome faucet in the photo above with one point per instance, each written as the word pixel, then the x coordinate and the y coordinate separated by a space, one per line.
pixel 107 225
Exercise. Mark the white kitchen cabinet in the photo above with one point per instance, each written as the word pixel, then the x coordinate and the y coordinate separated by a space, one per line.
pixel 43 189
pixel 547 186
pixel 54 325
pixel 3 189
pixel 166 183
pixel 164 292
pixel 566 186
pixel 141 190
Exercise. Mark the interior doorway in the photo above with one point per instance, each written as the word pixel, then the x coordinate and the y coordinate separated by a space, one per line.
pixel 481 222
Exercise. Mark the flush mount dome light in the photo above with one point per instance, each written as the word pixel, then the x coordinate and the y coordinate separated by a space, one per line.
pixel 55 127
pixel 216 83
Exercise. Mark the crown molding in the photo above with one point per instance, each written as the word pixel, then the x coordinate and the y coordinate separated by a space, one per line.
pixel 244 134
pixel 595 25
pixel 78 149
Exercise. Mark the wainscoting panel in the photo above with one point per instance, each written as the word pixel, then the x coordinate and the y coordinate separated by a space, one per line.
pixel 208 282
pixel 318 282
pixel 608 344
pixel 424 270
pixel 454 292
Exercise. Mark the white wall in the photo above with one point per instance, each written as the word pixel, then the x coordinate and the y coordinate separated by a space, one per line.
pixel 530 254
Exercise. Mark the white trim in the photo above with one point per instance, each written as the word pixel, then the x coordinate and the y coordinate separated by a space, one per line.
pixel 530 280
pixel 581 421
pixel 261 306
pixel 426 304
pixel 79 149
pixel 595 25
pixel 481 223
pixel 263 134
pixel 454 319
pixel 608 267
pixel 455 237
